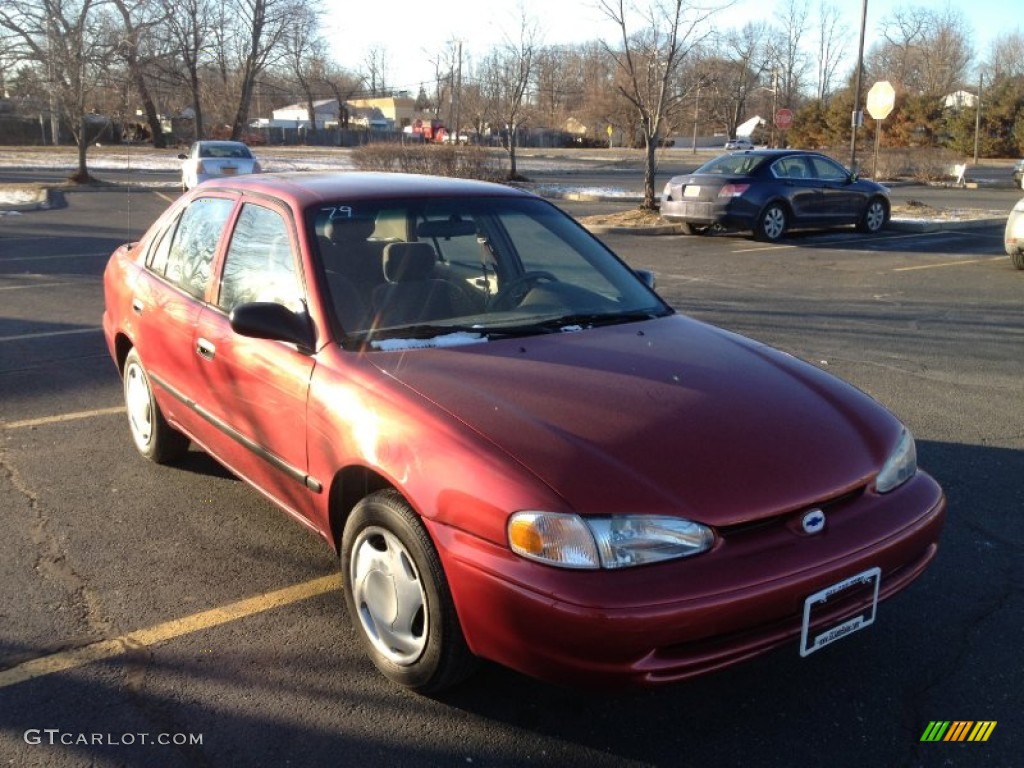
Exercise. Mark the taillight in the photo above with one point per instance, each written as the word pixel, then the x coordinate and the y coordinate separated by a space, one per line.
pixel 733 190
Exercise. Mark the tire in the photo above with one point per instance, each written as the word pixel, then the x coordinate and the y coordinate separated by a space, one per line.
pixel 772 223
pixel 398 597
pixel 875 217
pixel 1017 259
pixel 154 438
pixel 693 229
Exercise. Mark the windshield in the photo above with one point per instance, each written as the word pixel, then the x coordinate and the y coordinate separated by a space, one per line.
pixel 479 267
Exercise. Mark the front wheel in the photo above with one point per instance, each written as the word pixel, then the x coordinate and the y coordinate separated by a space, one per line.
pixel 1017 259
pixel 771 224
pixel 398 597
pixel 153 437
pixel 875 216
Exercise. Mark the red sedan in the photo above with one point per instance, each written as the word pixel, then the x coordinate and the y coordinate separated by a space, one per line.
pixel 520 452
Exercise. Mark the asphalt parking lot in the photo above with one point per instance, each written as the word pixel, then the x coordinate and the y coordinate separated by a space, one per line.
pixel 170 616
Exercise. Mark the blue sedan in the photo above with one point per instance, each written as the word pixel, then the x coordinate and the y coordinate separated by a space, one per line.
pixel 771 191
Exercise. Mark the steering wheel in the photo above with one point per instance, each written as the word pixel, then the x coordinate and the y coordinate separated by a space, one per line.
pixel 513 292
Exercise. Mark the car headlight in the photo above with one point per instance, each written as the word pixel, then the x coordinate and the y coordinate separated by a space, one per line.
pixel 618 541
pixel 900 466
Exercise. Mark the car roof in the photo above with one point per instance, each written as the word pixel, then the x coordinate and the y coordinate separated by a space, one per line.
pixel 309 188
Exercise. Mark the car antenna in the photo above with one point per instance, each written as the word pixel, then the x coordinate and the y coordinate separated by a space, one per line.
pixel 129 158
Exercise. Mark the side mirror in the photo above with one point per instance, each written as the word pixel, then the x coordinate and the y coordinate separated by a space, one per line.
pixel 647 277
pixel 266 320
pixel 182 156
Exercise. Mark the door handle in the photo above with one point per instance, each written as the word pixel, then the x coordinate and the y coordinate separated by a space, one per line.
pixel 205 349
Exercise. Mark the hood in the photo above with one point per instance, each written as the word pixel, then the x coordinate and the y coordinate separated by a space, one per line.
pixel 667 416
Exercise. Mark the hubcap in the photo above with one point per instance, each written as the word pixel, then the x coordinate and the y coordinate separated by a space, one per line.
pixel 139 405
pixel 774 222
pixel 389 596
pixel 875 217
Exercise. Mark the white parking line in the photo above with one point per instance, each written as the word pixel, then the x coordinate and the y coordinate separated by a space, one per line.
pixel 764 248
pixel 948 264
pixel 43 420
pixel 48 334
pixel 56 256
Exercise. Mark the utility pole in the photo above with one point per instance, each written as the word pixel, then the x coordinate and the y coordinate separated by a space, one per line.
pixel 858 117
pixel 977 115
pixel 458 93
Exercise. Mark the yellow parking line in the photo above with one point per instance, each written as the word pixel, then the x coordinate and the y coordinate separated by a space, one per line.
pixel 948 264
pixel 118 646
pixel 62 417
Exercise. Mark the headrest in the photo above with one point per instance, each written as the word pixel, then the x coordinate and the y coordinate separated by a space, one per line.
pixel 408 261
pixel 341 229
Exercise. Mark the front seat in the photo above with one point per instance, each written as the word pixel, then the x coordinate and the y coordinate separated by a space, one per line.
pixel 412 294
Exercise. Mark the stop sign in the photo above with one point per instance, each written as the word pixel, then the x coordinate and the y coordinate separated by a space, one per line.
pixel 881 99
pixel 784 118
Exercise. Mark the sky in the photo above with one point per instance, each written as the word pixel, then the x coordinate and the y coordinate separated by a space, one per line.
pixel 413 33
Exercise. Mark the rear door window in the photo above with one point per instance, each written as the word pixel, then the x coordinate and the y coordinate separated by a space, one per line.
pixel 185 257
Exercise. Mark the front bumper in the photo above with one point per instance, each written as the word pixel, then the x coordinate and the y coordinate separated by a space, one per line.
pixel 665 623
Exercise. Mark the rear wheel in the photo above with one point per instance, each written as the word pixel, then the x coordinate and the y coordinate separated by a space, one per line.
pixel 398 597
pixel 771 224
pixel 154 438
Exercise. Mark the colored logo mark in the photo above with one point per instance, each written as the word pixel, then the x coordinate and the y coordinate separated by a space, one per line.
pixel 958 730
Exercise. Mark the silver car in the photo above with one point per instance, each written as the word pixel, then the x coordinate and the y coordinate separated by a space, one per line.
pixel 216 159
pixel 1013 237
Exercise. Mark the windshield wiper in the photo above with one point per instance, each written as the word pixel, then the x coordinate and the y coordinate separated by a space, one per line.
pixel 574 321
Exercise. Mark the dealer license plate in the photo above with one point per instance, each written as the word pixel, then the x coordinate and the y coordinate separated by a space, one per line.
pixel 856 588
pixel 693 190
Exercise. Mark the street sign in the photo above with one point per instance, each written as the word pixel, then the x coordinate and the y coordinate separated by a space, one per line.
pixel 784 118
pixel 881 99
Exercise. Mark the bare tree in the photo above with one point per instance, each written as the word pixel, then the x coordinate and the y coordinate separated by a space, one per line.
pixel 261 27
pixel 69 40
pixel 649 60
pixel 343 85
pixel 924 51
pixel 830 46
pixel 739 70
pixel 508 73
pixel 1006 56
pixel 376 74
pixel 189 25
pixel 138 19
pixel 789 61
pixel 305 55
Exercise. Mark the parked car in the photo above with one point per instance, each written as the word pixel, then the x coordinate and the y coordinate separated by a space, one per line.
pixel 1013 236
pixel 739 144
pixel 771 191
pixel 519 450
pixel 213 159
pixel 1018 173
